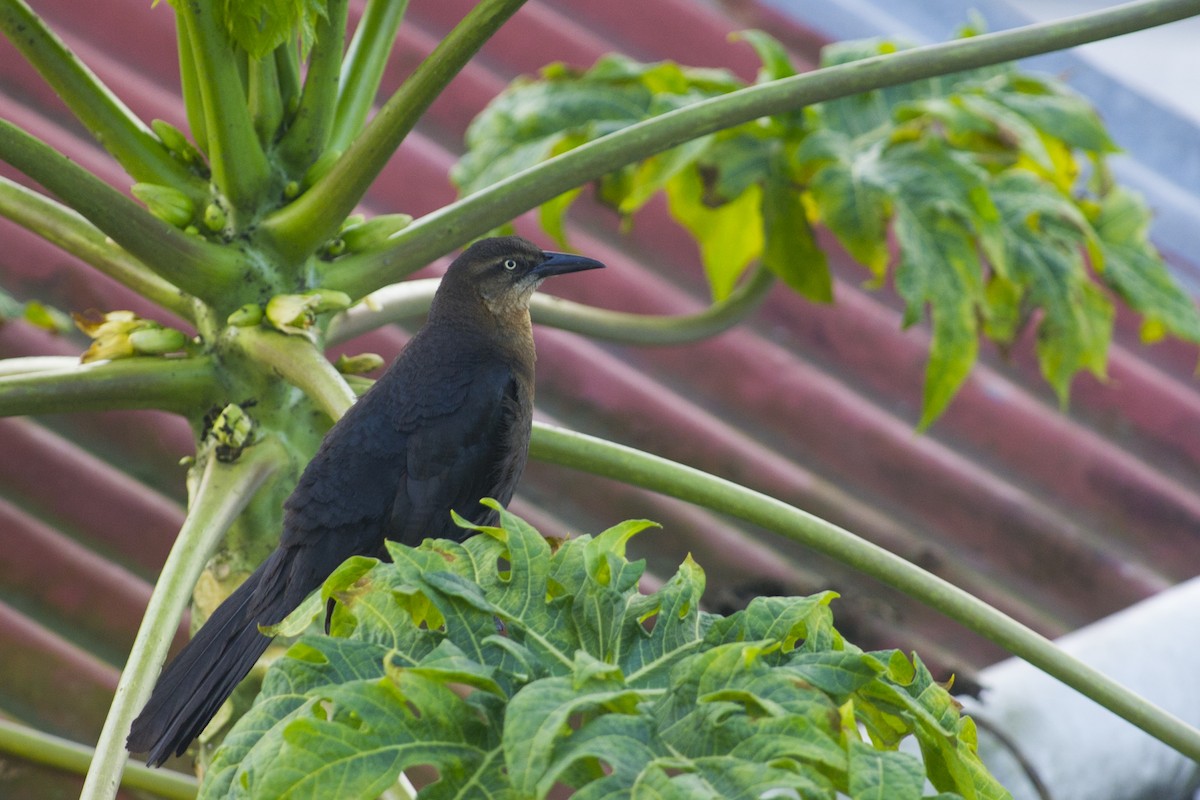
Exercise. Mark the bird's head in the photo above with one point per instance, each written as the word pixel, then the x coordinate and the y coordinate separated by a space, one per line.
pixel 503 272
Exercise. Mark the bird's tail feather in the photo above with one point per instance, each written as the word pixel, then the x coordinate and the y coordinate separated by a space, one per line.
pixel 192 687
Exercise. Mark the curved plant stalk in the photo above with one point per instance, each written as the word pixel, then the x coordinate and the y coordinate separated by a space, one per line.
pixel 189 86
pixel 411 298
pixel 111 123
pixel 456 224
pixel 363 68
pixel 263 98
pixel 221 494
pixel 199 268
pixel 42 748
pixel 147 382
pixel 300 227
pixel 300 363
pixel 651 329
pixel 600 457
pixel 239 165
pixel 308 134
pixel 287 69
pixel 67 230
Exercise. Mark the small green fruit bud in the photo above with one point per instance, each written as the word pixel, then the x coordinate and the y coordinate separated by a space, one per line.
pixel 46 317
pixel 359 364
pixel 155 341
pixel 335 247
pixel 176 142
pixel 214 217
pixel 374 233
pixel 321 166
pixel 246 316
pixel 166 202
pixel 329 300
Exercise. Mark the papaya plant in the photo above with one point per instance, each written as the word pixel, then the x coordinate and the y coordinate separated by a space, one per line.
pixel 243 228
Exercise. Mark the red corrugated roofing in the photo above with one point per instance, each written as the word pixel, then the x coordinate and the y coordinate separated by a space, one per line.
pixel 1056 517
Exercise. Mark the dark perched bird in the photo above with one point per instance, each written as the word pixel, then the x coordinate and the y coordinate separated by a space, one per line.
pixel 446 425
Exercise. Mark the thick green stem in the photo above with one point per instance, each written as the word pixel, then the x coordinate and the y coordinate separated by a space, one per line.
pixel 66 229
pixel 308 133
pixel 167 384
pixel 411 298
pixel 456 224
pixel 297 360
pixel 195 266
pixel 239 165
pixel 600 457
pixel 223 491
pixel 363 68
pixel 109 120
pixel 37 747
pixel 298 228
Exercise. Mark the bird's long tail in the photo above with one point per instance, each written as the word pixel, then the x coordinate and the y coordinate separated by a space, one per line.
pixel 193 686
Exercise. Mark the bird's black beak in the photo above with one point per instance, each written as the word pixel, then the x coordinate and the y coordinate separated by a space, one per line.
pixel 562 263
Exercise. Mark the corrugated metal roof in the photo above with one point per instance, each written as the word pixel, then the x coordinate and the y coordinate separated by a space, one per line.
pixel 1056 517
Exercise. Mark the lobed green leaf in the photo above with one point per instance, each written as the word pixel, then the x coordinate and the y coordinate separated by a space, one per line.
pixel 924 181
pixel 513 668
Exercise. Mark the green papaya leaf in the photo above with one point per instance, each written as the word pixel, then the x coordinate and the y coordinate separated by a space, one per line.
pixel 776 63
pixel 1136 271
pixel 1046 236
pixel 790 247
pixel 1054 108
pixel 884 775
pixel 910 178
pixel 850 196
pixel 939 267
pixel 514 669
pixel 259 26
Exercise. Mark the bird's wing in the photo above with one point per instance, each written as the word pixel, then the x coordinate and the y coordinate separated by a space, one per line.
pixel 469 445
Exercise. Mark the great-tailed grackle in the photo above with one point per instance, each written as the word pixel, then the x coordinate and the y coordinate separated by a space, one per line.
pixel 446 425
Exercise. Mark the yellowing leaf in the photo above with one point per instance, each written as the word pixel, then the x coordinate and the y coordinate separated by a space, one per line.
pixel 552 216
pixel 730 235
pixel 850 197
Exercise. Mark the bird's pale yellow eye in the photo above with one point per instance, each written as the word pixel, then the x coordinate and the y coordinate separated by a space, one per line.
pixel 509 264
